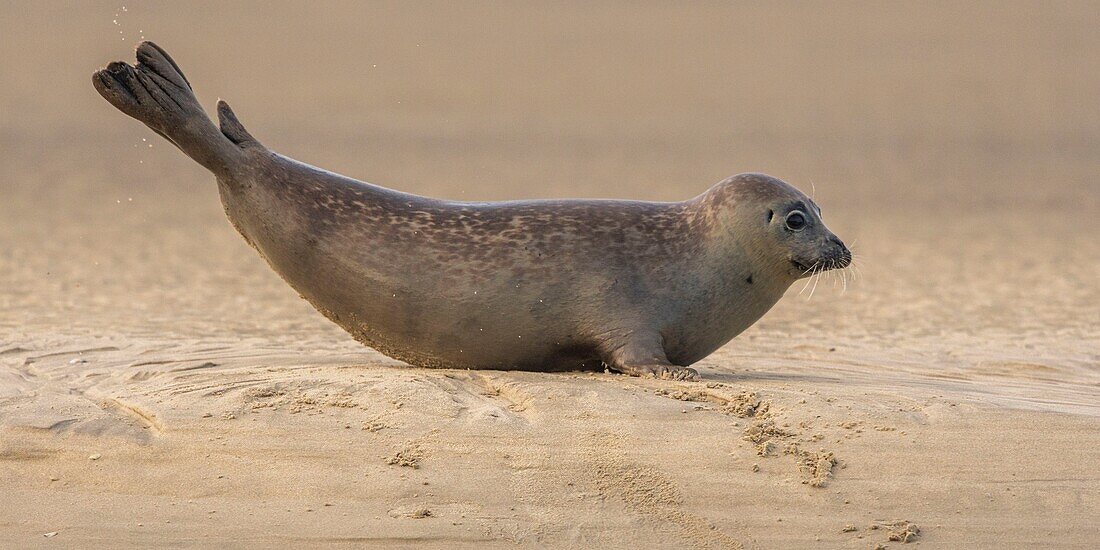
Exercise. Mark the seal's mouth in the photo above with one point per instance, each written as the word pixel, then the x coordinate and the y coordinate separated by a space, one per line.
pixel 801 267
pixel 824 264
pixel 826 256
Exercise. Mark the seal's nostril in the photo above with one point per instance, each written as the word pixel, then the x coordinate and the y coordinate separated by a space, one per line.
pixel 845 256
pixel 841 255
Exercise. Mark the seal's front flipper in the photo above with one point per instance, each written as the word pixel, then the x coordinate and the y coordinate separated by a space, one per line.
pixel 641 354
pixel 155 92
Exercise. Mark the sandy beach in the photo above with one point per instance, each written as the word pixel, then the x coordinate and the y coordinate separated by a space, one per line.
pixel 161 386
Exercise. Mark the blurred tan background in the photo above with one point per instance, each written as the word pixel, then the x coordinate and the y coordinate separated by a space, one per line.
pixel 653 100
pixel 956 146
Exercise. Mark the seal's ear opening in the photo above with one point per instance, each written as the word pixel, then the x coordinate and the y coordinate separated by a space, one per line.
pixel 770 216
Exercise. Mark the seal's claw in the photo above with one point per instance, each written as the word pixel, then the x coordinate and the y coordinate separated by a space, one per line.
pixel 680 373
pixel 686 373
pixel 644 371
pixel 662 372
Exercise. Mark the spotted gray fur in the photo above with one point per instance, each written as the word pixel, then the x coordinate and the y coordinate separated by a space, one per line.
pixel 645 288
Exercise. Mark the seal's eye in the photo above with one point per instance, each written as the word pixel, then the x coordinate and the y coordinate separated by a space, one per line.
pixel 796 220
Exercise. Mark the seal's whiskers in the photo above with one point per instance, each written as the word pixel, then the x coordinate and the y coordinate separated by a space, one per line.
pixel 812 289
pixel 812 271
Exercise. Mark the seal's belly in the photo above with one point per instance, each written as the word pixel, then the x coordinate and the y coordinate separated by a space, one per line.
pixel 485 341
pixel 496 328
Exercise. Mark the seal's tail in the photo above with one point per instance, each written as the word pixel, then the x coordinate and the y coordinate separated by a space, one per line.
pixel 155 92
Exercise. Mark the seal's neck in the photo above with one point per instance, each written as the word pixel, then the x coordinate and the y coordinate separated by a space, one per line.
pixel 736 250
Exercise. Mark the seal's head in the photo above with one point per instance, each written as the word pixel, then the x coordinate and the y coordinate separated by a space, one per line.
pixel 779 226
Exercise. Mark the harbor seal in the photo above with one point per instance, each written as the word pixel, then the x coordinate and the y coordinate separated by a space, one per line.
pixel 643 288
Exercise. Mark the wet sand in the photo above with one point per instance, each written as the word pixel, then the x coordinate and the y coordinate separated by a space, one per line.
pixel 159 385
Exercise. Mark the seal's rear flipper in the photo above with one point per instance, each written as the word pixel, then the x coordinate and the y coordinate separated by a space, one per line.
pixel 232 128
pixel 155 92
